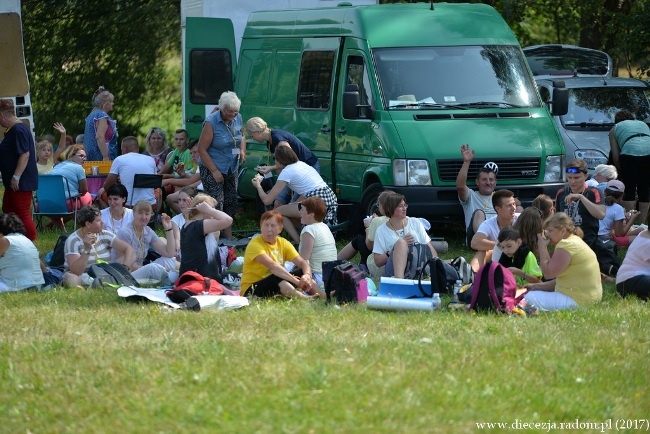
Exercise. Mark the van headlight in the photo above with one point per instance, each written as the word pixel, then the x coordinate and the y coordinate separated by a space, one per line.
pixel 411 172
pixel 592 157
pixel 554 169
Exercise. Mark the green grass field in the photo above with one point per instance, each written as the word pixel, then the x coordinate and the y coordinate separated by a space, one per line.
pixel 81 361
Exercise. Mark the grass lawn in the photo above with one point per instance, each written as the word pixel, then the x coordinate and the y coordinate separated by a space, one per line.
pixel 85 361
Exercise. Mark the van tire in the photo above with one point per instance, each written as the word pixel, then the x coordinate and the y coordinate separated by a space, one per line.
pixel 369 198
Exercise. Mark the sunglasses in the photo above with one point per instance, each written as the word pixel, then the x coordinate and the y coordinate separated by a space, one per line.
pixel 574 170
pixel 299 206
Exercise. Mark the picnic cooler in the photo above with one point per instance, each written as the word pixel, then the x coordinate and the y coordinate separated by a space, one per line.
pixel 104 167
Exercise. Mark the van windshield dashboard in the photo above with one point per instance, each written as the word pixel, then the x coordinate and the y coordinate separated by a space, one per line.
pixel 596 106
pixel 457 78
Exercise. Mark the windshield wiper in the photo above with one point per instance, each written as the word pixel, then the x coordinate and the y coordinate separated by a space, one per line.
pixel 490 104
pixel 427 105
pixel 591 124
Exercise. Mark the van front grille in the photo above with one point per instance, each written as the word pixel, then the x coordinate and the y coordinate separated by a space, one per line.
pixel 509 168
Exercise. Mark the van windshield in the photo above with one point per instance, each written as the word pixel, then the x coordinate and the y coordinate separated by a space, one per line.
pixel 596 106
pixel 454 77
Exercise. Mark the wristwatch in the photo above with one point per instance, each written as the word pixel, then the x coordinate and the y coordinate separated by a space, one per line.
pixel 17 178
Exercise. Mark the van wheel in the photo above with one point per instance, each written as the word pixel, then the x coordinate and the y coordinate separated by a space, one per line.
pixel 369 198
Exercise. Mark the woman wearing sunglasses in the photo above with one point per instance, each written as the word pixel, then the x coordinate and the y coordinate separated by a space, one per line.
pixel 75 176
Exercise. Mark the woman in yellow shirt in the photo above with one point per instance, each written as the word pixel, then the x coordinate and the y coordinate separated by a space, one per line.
pixel 573 267
pixel 264 273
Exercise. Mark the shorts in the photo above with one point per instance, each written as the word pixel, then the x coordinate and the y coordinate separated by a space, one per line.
pixel 267 287
pixel 470 228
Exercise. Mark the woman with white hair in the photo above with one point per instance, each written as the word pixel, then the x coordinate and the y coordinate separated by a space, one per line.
pixel 222 147
pixel 158 147
pixel 602 174
pixel 100 134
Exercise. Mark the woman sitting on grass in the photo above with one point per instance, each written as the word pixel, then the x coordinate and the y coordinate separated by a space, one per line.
pixel 399 236
pixel 316 240
pixel 141 238
pixel 185 197
pixel 116 216
pixel 264 273
pixel 305 181
pixel 91 244
pixel 573 267
pixel 634 275
pixel 199 247
pixel 20 267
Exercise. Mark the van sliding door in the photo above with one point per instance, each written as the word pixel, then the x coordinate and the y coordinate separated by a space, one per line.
pixel 315 99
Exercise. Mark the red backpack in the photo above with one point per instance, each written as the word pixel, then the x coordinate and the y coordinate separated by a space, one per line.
pixel 192 283
pixel 494 289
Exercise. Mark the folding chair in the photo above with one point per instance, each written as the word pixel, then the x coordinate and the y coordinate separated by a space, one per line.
pixel 142 180
pixel 50 200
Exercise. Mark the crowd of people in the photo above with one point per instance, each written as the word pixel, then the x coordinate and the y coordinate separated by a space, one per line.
pixel 559 249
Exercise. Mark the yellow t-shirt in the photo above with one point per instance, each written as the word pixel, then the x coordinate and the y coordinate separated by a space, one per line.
pixel 44 169
pixel 280 252
pixel 581 279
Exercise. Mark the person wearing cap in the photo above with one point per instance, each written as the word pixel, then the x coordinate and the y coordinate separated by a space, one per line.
pixel 582 203
pixel 617 223
pixel 477 205
pixel 630 153
pixel 18 167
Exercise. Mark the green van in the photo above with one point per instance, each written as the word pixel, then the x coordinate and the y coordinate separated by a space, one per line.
pixel 385 95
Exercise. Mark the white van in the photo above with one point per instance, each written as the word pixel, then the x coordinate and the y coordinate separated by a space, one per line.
pixel 14 83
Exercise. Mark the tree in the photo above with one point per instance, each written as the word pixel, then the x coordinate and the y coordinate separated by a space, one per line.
pixel 74 46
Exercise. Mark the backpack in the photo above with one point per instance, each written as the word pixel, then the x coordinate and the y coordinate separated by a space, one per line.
pixel 417 260
pixel 439 282
pixel 464 270
pixel 607 255
pixel 494 289
pixel 346 281
pixel 57 259
pixel 113 274
pixel 192 283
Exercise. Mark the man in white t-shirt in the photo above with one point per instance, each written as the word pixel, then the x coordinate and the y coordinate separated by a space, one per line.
pixel 485 238
pixel 477 205
pixel 129 164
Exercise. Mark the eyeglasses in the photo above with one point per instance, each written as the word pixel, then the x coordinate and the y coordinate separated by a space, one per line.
pixel 574 170
pixel 405 206
pixel 299 206
pixel 80 156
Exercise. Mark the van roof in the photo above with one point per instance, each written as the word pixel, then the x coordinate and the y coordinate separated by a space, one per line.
pixel 389 25
pixel 585 82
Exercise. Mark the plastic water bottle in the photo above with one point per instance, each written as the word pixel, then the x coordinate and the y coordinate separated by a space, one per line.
pixel 437 303
pixel 457 287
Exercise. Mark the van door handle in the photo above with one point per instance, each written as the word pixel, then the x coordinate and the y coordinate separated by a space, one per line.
pixel 341 130
pixel 325 129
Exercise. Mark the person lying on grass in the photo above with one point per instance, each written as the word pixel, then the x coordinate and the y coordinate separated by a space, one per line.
pixel 264 273
pixel 91 244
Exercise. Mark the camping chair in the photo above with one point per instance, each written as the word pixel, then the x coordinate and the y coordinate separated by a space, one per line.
pixel 50 200
pixel 142 180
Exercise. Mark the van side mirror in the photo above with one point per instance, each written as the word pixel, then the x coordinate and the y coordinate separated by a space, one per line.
pixel 352 107
pixel 560 99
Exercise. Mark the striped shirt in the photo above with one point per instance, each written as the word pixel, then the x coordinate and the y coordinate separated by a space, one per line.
pixel 74 245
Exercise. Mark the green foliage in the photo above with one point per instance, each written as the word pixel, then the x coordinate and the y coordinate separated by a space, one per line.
pixel 74 47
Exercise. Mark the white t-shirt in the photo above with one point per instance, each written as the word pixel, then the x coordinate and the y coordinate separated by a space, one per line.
pixel 490 228
pixel 324 245
pixel 613 213
pixel 126 167
pixel 179 219
pixel 636 261
pixel 386 237
pixel 301 177
pixel 114 225
pixel 476 201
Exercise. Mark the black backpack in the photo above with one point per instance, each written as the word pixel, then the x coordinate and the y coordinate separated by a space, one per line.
pixel 58 254
pixel 113 274
pixel 346 281
pixel 436 269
